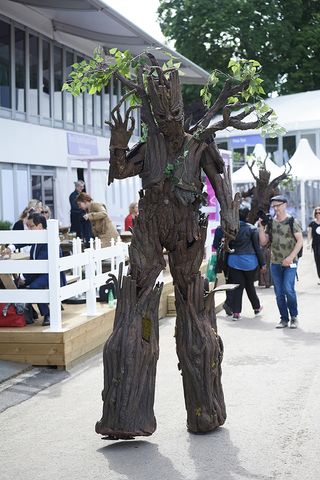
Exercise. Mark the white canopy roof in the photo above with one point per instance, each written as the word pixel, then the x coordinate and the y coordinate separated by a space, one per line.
pixel 88 23
pixel 305 164
pixel 243 175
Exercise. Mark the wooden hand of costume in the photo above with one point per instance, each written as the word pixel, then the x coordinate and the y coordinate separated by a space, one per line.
pixel 120 131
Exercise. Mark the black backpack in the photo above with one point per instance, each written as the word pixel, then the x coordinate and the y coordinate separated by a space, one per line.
pixel 291 222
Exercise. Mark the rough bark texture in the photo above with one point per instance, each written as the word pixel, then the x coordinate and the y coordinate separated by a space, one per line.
pixel 200 352
pixel 130 357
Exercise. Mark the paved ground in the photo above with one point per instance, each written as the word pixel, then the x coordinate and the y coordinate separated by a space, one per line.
pixel 272 387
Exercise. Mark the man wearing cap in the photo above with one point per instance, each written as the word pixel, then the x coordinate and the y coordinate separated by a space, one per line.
pixel 285 245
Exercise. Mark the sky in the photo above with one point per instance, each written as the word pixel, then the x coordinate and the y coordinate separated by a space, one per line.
pixel 140 12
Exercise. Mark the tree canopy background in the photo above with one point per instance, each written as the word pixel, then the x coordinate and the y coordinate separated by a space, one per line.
pixel 283 35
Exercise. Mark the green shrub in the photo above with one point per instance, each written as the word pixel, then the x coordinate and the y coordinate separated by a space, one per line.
pixel 5 225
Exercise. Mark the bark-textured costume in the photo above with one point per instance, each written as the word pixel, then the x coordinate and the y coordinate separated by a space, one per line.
pixel 169 164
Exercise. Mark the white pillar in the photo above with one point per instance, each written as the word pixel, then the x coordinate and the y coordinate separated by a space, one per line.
pixel 303 204
pixel 54 275
pixel 91 300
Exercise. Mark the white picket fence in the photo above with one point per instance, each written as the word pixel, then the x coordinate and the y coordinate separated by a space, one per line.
pixel 91 260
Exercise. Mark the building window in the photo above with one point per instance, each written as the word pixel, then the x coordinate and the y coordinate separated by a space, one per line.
pixel 20 69
pixel 33 75
pixel 97 109
pixel 5 77
pixel 89 109
pixel 46 73
pixel 106 103
pixel 42 189
pixel 69 96
pixel 289 147
pixel 58 81
pixel 79 101
pixel 222 145
pixel 272 147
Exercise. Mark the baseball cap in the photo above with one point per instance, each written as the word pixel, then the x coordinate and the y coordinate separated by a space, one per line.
pixel 279 198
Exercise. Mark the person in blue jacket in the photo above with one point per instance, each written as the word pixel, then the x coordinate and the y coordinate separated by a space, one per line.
pixel 39 251
pixel 243 262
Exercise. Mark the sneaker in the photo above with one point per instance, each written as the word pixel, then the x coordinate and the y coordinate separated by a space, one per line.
pixel 294 322
pixel 236 316
pixel 258 310
pixel 227 309
pixel 282 324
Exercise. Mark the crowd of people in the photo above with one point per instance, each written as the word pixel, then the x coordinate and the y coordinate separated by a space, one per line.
pixel 283 235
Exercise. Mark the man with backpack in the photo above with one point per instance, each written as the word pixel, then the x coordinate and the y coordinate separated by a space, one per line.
pixel 284 234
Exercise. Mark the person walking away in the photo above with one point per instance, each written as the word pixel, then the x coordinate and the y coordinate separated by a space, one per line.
pixel 243 262
pixel 97 214
pixel 285 246
pixel 314 238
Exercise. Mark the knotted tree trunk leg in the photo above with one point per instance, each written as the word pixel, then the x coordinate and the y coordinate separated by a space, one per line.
pixel 200 352
pixel 199 348
pixel 130 357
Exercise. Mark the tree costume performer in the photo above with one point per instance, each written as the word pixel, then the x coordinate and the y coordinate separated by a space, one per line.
pixel 169 163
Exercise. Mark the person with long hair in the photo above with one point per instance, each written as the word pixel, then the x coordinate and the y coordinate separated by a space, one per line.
pixel 97 215
pixel 133 212
pixel 314 238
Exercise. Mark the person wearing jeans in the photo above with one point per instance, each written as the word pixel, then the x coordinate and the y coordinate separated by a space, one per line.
pixel 283 282
pixel 285 245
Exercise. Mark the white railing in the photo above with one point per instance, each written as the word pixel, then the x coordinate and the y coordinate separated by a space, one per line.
pixel 91 260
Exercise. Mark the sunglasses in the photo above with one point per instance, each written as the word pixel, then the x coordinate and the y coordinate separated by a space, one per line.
pixel 317 212
pixel 44 211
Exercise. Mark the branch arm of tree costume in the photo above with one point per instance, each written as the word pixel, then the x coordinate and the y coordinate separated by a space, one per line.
pixel 221 184
pixel 123 164
pixel 228 90
pixel 275 182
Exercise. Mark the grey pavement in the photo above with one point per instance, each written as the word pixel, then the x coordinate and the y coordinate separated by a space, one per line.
pixel 272 388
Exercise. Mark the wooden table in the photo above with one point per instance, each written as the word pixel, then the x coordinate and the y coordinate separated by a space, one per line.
pixel 7 278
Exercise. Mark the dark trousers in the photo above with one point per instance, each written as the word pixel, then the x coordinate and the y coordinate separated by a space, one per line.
pixel 245 279
pixel 316 253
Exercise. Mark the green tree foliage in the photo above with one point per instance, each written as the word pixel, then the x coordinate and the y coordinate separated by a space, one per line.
pixel 283 35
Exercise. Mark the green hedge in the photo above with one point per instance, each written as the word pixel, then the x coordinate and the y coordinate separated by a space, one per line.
pixel 5 225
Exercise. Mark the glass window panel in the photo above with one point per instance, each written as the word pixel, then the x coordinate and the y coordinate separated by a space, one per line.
pixel 89 108
pixel 97 109
pixel 114 95
pixel 289 147
pixel 20 68
pixel 272 147
pixel 79 101
pixel 22 188
pixel 5 80
pixel 69 97
pixel 46 106
pixel 222 145
pixel 106 103
pixel 58 81
pixel 33 74
pixel 36 187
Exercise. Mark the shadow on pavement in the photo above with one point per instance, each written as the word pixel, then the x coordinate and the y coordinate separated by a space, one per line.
pixel 142 461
